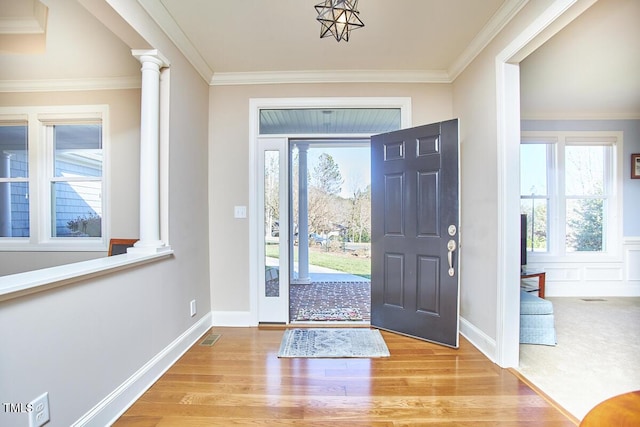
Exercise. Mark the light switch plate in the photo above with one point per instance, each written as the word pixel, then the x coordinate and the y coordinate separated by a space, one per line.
pixel 240 211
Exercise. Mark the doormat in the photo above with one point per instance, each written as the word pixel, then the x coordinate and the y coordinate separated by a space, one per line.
pixel 333 343
pixel 330 314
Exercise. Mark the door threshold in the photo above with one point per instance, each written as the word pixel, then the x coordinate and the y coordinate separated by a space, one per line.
pixel 332 324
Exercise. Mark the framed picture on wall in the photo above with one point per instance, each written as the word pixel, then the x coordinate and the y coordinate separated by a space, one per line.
pixel 635 166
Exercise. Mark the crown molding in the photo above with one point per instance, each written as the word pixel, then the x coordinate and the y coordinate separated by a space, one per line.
pixel 330 76
pixel 66 85
pixel 35 23
pixel 168 25
pixel 498 21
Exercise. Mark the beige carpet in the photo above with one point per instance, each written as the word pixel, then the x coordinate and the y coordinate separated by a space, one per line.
pixel 597 356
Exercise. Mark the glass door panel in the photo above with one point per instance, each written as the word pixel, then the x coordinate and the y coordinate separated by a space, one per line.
pixel 272 223
pixel 274 253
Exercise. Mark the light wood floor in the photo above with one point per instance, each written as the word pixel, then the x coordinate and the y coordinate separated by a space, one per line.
pixel 241 381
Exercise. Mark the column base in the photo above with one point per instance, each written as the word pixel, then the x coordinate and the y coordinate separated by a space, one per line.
pixel 154 247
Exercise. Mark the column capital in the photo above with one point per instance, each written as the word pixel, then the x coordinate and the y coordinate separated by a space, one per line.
pixel 302 145
pixel 150 55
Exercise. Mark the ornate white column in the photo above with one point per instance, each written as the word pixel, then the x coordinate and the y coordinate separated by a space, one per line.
pixel 303 216
pixel 152 61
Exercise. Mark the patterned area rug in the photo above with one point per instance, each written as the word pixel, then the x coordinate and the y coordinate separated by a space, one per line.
pixel 330 295
pixel 330 314
pixel 333 342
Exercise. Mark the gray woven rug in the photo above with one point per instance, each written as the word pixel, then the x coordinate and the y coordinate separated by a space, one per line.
pixel 333 342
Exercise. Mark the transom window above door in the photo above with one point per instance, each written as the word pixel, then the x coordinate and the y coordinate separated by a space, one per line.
pixel 329 121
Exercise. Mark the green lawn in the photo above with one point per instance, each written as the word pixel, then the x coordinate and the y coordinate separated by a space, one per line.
pixel 345 262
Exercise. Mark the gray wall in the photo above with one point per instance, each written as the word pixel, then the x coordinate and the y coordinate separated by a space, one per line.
pixel 124 153
pixel 81 341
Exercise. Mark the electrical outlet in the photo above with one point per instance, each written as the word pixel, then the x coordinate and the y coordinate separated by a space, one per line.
pixel 40 411
pixel 193 308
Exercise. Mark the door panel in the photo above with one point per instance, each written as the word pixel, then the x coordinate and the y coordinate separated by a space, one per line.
pixel 428 273
pixel 414 282
pixel 394 280
pixel 428 221
pixel 394 205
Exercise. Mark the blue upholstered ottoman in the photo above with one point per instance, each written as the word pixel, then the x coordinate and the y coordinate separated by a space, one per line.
pixel 537 324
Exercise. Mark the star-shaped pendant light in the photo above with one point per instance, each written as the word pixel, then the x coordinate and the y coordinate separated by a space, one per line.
pixel 338 18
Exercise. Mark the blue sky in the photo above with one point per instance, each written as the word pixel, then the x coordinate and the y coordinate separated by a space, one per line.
pixel 354 164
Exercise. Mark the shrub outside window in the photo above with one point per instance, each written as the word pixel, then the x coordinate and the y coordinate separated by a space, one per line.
pixel 76 184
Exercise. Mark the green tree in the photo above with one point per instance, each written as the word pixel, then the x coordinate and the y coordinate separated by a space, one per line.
pixel 536 211
pixel 326 175
pixel 584 231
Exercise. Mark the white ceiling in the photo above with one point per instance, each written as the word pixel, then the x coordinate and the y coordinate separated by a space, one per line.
pixel 590 66
pixel 428 36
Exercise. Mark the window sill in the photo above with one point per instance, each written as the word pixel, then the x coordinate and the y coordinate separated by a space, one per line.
pixel 15 244
pixel 17 285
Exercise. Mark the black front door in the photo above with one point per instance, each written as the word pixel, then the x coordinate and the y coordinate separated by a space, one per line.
pixel 415 222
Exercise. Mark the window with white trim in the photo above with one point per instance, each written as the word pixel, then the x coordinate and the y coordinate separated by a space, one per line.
pixel 52 178
pixel 568 190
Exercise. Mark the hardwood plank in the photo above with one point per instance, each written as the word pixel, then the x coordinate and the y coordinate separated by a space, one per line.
pixel 241 381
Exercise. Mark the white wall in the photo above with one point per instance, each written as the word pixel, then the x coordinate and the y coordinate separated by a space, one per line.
pixel 589 70
pixel 82 341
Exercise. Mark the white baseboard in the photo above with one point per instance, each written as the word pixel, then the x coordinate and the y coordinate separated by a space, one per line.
pixel 119 400
pixel 233 318
pixel 479 339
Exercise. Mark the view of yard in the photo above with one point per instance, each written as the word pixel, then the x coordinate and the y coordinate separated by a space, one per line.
pixel 337 205
pixel 347 262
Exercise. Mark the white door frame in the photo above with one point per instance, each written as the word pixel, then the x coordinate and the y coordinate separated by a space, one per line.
pixel 255 105
pixel 560 13
pixel 274 308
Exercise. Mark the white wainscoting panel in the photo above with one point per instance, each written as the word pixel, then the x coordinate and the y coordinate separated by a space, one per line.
pixel 632 260
pixel 615 277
